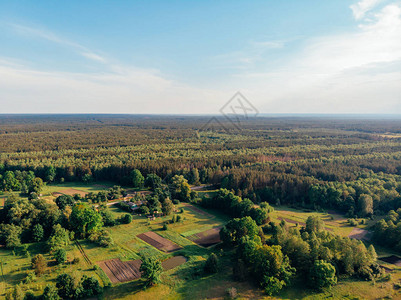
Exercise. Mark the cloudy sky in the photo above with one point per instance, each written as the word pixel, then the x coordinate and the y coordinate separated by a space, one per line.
pixel 190 57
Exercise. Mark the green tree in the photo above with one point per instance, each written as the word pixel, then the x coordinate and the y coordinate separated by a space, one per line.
pixel 235 229
pixel 38 233
pixel 126 219
pixel 63 201
pixel 90 286
pixel 60 255
pixel 68 287
pixel 323 274
pixel 85 220
pixel 50 293
pixel 11 235
pixel 193 176
pixel 35 186
pixel 314 224
pixel 272 285
pixel 365 205
pixel 137 179
pixel 50 174
pixel 180 188
pixel 211 264
pixel 151 269
pixel 167 207
pixel 10 183
pixel 153 181
pixel 60 237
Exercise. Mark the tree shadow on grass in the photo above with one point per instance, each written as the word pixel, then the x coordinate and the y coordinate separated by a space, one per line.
pixel 123 290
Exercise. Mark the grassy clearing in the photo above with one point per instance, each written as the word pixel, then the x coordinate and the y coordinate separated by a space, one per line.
pixel 87 188
pixel 333 221
pixel 16 266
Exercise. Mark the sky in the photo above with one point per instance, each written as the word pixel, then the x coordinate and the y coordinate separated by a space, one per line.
pixel 191 57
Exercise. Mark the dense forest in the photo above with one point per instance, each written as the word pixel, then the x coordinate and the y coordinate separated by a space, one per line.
pixel 352 164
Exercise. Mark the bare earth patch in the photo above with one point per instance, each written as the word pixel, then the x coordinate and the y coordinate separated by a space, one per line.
pixel 158 242
pixel 70 192
pixel 119 271
pixel 207 238
pixel 360 234
pixel 173 262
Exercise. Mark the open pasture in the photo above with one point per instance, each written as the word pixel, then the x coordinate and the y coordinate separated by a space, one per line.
pixel 158 242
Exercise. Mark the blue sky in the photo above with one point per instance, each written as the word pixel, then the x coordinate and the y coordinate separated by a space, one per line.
pixel 192 56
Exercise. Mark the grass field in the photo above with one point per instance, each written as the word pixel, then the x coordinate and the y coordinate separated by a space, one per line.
pixel 49 189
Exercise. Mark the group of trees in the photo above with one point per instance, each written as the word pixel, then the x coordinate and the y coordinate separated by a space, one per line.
pixel 387 231
pixel 24 181
pixel 36 220
pixel 69 287
pixel 311 253
pixel 265 264
pixel 306 246
pixel 235 206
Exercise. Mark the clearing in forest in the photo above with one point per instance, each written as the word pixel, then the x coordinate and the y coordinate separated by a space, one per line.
pixel 207 238
pixel 360 234
pixel 119 271
pixel 158 242
pixel 70 192
pixel 198 210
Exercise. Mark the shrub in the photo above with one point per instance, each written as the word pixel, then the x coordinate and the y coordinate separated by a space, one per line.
pixel 126 219
pixel 75 261
pixel 30 277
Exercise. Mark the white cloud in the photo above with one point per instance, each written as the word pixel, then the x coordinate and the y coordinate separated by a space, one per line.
pixel 349 72
pixel 362 7
pixel 52 37
pixel 129 90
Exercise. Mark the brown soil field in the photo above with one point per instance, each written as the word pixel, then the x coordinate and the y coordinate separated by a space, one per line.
pixel 70 192
pixel 360 234
pixel 158 242
pixel 173 262
pixel 119 271
pixel 392 259
pixel 207 238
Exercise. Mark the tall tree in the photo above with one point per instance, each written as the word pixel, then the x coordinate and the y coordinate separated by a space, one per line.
pixel 151 269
